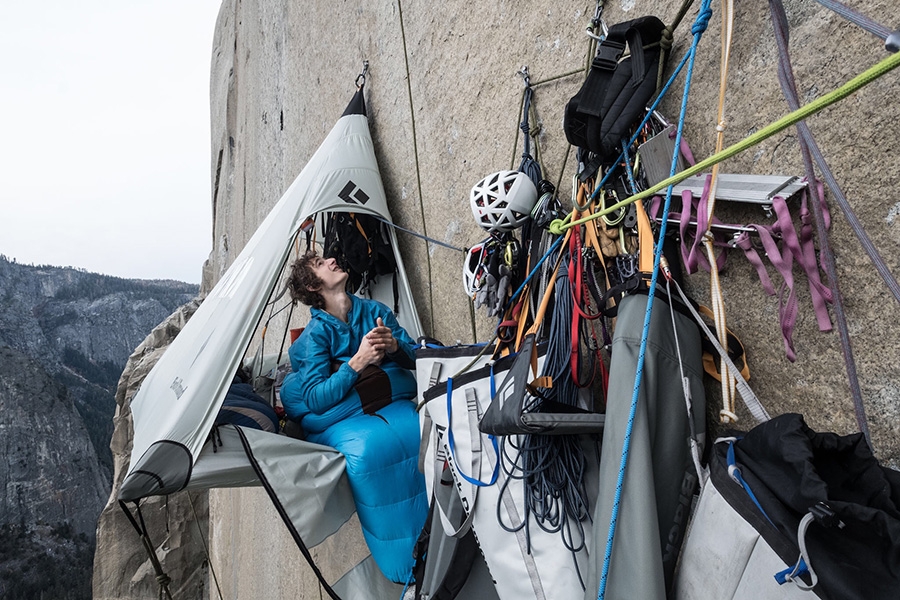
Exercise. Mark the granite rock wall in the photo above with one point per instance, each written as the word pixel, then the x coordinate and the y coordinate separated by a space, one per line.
pixel 444 95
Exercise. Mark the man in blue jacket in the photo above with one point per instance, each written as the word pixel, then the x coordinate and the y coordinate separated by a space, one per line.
pixel 351 388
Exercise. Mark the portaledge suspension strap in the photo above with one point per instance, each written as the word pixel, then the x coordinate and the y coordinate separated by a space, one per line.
pixel 808 146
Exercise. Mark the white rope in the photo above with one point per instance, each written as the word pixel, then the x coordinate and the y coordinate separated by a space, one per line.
pixel 726 415
pixel 804 557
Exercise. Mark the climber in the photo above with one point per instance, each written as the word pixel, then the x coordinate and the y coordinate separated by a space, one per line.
pixel 351 388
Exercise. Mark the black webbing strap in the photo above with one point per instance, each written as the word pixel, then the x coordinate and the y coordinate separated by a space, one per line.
pixel 609 51
pixel 161 577
pixel 617 87
pixel 285 518
pixel 604 64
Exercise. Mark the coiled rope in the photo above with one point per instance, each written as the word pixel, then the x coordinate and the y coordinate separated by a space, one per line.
pixel 559 348
pixel 551 467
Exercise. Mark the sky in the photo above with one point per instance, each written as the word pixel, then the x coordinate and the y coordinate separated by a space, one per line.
pixel 104 135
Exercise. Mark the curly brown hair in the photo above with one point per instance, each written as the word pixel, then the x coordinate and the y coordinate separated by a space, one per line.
pixel 304 284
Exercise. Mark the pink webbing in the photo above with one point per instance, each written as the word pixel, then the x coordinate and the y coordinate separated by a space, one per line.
pixel 685 149
pixel 787 299
pixel 745 243
pixel 799 247
pixel 692 256
pixel 804 252
pixel 795 247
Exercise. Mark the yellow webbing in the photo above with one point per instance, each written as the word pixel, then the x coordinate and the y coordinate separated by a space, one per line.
pixel 729 392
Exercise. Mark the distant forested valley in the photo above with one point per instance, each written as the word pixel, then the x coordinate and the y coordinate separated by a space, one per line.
pixel 65 336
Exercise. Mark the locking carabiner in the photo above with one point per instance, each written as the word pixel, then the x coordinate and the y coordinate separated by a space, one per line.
pixel 361 78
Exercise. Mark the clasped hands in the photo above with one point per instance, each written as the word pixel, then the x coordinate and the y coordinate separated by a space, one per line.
pixel 375 344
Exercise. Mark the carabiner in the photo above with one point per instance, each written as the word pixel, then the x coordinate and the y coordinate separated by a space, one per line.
pixel 511 253
pixel 361 78
pixel 597 21
pixel 525 75
pixel 598 13
pixel 615 218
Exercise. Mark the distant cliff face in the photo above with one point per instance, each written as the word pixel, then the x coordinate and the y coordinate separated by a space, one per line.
pixel 51 483
pixel 48 466
pixel 65 336
pixel 45 310
pixel 81 327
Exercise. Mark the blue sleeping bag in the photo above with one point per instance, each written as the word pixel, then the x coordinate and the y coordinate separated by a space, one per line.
pixel 378 436
pixel 389 490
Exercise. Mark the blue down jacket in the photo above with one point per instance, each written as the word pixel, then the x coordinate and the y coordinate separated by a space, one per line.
pixel 381 448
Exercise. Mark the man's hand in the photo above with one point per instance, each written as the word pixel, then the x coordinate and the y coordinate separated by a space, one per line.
pixel 381 338
pixel 367 355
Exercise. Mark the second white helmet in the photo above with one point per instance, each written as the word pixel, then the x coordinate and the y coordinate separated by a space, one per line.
pixel 474 267
pixel 503 200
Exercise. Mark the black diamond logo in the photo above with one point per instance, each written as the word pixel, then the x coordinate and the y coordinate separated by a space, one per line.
pixel 353 194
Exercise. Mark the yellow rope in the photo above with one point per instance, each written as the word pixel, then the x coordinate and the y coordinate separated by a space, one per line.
pixel 891 62
pixel 716 299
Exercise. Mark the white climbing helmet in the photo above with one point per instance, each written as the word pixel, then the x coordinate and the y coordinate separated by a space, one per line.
pixel 503 200
pixel 474 267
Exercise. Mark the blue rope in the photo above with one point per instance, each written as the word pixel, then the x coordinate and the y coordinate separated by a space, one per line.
pixel 515 295
pixel 452 442
pixel 628 169
pixel 795 571
pixel 637 132
pixel 409 579
pixel 698 28
pixel 652 108
pixel 735 473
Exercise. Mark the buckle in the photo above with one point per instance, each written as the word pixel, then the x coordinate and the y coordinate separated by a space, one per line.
pixel 892 42
pixel 608 54
pixel 825 516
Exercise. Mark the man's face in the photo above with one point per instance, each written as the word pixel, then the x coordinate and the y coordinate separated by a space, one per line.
pixel 330 273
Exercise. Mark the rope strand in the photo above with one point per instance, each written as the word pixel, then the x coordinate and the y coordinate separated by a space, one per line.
pixel 808 149
pixel 421 236
pixel 697 29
